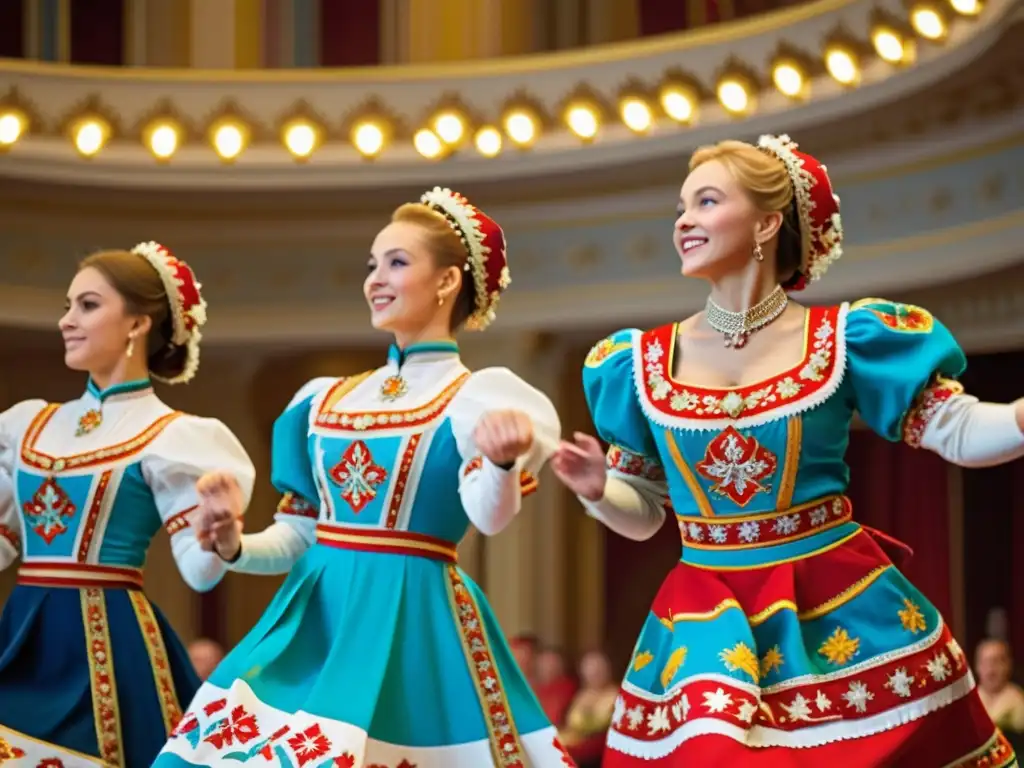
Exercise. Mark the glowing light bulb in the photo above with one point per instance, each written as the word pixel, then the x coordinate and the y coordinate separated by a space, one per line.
pixel 788 78
pixel 12 126
pixel 582 120
pixel 368 139
pixel 163 140
pixel 450 127
pixel 301 139
pixel 636 114
pixel 678 104
pixel 90 136
pixel 427 143
pixel 488 141
pixel 521 127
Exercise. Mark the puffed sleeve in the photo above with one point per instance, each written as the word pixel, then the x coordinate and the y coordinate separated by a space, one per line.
pixel 276 549
pixel 13 423
pixel 492 496
pixel 904 363
pixel 635 493
pixel 188 448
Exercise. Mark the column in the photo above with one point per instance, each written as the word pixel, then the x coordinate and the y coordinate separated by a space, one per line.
pixel 212 34
pixel 612 20
pixel 135 33
pixel 249 28
pixel 442 30
pixel 167 39
pixel 278 33
pixel 524 567
pixel 306 35
pixel 567 24
pixel 48 28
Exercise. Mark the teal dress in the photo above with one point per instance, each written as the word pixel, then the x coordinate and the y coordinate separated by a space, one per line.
pixel 379 650
pixel 785 635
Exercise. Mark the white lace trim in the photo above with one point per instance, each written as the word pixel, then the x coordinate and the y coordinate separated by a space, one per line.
pixel 778 413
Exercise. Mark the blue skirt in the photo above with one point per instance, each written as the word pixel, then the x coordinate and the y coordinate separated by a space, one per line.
pixel 369 659
pixel 89 676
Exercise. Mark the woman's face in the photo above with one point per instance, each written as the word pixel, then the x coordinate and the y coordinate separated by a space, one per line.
pixel 403 283
pixel 95 326
pixel 715 231
pixel 595 671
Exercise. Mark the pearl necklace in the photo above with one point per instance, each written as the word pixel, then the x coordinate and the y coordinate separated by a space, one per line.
pixel 737 327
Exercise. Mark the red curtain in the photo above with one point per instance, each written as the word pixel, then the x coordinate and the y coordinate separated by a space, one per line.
pixel 662 16
pixel 12 29
pixel 97 32
pixel 994 513
pixel 349 33
pixel 904 493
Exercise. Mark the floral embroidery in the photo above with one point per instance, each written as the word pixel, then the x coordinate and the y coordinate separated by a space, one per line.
pixel 374 420
pixel 740 658
pixel 46 510
pixel 899 317
pixel 911 617
pixel 672 666
pixel 771 661
pixel 998 753
pixel 358 476
pixel 88 422
pixel 629 463
pixel 927 404
pixel 603 350
pixel 103 687
pixel 11 536
pixel 737 465
pixel 8 751
pixel 805 379
pixel 863 692
pixel 771 528
pixel 840 647
pixel 393 388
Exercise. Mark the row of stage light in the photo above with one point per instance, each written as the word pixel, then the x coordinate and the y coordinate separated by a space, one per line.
pixel 679 100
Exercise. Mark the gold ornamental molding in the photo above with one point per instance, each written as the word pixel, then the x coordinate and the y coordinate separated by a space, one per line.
pixel 526 116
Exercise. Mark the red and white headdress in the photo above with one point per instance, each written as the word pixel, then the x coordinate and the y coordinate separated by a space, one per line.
pixel 188 309
pixel 486 252
pixel 821 229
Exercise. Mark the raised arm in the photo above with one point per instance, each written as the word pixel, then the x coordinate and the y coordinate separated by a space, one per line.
pixel 505 431
pixel 188 449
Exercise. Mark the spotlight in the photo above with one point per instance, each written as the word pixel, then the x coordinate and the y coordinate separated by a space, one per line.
pixel 636 114
pixel 163 138
pixel 229 137
pixel 842 64
pixel 488 141
pixel 735 93
pixel 368 138
pixel 929 22
pixel 12 125
pixel 301 137
pixel 450 127
pixel 889 44
pixel 967 7
pixel 582 120
pixel 789 78
pixel 679 102
pixel 427 143
pixel 521 127
pixel 90 135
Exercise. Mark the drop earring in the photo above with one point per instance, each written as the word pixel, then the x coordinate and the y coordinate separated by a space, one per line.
pixel 440 299
pixel 758 253
pixel 131 346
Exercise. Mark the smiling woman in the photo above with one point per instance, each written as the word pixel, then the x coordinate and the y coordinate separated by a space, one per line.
pixel 84 487
pixel 381 474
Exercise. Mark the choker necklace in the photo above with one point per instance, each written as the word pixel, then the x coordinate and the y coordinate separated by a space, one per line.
pixel 737 327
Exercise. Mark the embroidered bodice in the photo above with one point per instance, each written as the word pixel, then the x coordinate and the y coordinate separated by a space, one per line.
pixel 774 445
pixel 393 448
pixel 91 481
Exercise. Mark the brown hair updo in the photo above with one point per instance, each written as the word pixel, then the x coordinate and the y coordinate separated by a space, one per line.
pixel 767 183
pixel 143 292
pixel 447 251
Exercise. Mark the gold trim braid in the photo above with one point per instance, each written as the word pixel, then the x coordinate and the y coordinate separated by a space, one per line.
pixel 105 708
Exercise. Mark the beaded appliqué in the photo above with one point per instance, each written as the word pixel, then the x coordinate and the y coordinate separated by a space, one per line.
pixel 89 421
pixel 393 388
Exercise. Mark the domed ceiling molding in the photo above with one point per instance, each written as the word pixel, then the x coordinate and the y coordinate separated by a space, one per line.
pixel 939 210
pixel 53 96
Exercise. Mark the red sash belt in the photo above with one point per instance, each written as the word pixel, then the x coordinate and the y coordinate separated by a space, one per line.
pixel 386 540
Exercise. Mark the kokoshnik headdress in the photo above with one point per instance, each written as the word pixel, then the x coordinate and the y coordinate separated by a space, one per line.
pixel 817 206
pixel 486 251
pixel 187 307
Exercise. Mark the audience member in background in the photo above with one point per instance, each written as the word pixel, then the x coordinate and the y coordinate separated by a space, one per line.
pixel 1004 699
pixel 590 714
pixel 524 649
pixel 555 686
pixel 206 655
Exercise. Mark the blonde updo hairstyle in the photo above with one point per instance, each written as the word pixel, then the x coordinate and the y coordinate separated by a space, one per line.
pixel 768 185
pixel 446 249
pixel 143 292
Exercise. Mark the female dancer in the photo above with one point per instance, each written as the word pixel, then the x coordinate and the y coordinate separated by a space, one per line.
pixel 90 671
pixel 378 652
pixel 785 635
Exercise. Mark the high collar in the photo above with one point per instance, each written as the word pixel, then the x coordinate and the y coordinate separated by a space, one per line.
pixel 120 391
pixel 422 352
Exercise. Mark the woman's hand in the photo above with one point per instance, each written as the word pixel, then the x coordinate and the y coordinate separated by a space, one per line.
pixel 217 521
pixel 503 436
pixel 581 466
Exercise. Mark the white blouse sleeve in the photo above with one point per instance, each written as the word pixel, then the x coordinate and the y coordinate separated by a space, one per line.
pixel 186 450
pixel 275 549
pixel 491 495
pixel 13 423
pixel 635 495
pixel 971 433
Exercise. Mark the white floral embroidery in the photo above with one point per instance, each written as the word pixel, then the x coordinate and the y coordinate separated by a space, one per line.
pixel 822 702
pixel 695 532
pixel 634 717
pixel 818 516
pixel 799 708
pixel 618 710
pixel 938 667
pixel 858 696
pixel 717 702
pixel 788 388
pixel 750 531
pixel 900 683
pixel 719 533
pixel 746 712
pixel 658 721
pixel 786 524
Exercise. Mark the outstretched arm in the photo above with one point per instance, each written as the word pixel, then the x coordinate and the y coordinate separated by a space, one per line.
pixel 971 433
